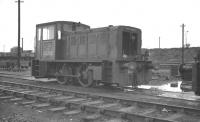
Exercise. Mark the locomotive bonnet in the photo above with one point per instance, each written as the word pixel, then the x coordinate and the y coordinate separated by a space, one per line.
pixel 75 53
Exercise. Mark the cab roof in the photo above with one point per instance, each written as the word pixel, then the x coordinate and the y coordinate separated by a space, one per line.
pixel 61 22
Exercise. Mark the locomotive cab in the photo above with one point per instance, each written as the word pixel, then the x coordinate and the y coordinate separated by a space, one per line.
pixel 49 36
pixel 48 44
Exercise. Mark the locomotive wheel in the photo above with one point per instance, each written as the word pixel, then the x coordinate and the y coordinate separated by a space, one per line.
pixel 63 79
pixel 86 78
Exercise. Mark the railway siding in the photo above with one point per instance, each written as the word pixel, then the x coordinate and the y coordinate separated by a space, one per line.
pixel 174 104
pixel 71 102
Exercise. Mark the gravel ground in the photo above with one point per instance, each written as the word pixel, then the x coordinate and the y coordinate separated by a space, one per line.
pixel 12 112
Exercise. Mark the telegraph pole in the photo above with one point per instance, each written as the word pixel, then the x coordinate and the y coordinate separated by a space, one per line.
pixel 22 44
pixel 19 52
pixel 159 42
pixel 182 43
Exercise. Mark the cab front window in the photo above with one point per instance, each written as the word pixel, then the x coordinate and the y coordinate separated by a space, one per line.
pixel 48 32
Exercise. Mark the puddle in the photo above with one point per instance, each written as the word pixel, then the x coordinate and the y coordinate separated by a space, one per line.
pixel 173 90
pixel 165 87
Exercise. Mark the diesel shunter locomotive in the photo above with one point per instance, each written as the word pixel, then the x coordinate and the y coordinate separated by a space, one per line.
pixel 75 53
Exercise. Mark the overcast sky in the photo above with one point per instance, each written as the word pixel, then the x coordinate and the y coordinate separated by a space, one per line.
pixel 155 17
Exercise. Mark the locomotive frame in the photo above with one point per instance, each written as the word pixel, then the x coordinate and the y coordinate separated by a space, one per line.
pixel 74 53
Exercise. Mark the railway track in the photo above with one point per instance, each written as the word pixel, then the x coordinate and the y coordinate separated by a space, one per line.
pixel 98 107
pixel 165 94
pixel 14 74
